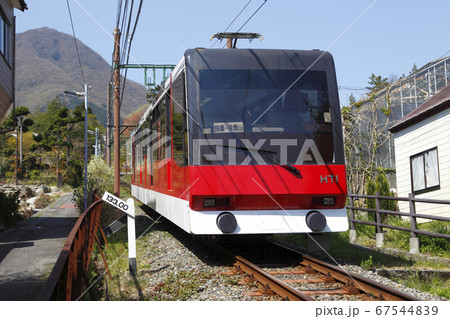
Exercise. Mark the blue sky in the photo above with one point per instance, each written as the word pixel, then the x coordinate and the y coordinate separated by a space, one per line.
pixel 387 40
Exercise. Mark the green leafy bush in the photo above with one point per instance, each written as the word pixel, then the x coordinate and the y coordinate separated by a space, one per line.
pixel 428 245
pixel 397 238
pixel 381 185
pixel 362 229
pixel 100 178
pixel 435 245
pixel 9 212
pixel 74 176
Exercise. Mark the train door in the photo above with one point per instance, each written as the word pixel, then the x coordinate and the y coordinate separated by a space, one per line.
pixel 169 134
pixel 178 135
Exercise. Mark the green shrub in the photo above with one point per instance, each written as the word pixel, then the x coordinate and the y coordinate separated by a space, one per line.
pixel 435 245
pixel 428 244
pixel 397 238
pixel 362 229
pixel 100 178
pixel 381 185
pixel 9 212
pixel 370 190
pixel 74 175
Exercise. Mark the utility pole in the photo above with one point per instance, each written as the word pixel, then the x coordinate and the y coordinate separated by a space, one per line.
pixel 116 84
pixel 108 126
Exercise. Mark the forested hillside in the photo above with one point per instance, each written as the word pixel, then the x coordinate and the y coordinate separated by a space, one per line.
pixel 47 64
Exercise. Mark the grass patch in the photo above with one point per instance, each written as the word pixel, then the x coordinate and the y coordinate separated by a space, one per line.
pixel 178 286
pixel 434 285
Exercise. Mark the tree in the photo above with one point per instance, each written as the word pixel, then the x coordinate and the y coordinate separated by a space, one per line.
pixel 365 124
pixel 61 138
pixel 377 83
pixel 414 69
pixel 52 128
pixel 21 111
pixel 22 124
pixel 152 92
pixel 133 119
pixel 351 99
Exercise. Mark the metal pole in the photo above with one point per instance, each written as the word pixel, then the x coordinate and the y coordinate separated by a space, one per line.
pixel 16 164
pixel 116 113
pixel 85 143
pixel 96 141
pixel 21 146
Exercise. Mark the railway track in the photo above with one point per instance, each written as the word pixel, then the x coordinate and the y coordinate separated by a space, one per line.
pixel 312 279
pixel 308 279
pixel 125 185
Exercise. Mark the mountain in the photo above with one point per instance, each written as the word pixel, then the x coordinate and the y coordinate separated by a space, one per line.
pixel 47 65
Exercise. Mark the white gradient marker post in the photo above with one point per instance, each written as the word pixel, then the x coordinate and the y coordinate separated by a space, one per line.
pixel 128 208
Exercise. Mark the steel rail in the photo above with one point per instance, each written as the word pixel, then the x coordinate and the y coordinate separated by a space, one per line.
pixel 277 286
pixel 363 284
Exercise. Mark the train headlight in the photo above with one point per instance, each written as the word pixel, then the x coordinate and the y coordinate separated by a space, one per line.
pixel 328 201
pixel 209 202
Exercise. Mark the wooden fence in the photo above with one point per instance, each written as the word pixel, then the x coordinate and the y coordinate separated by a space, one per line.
pixel 379 225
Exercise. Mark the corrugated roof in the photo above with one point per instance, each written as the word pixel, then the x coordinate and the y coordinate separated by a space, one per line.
pixel 434 105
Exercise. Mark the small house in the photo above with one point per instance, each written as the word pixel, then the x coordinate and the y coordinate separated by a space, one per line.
pixel 422 154
pixel 7 44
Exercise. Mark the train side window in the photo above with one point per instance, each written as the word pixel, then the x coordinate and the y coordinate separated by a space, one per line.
pixel 161 128
pixel 179 122
pixel 154 131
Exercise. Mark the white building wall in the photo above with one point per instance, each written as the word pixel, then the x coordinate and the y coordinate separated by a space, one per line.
pixel 431 132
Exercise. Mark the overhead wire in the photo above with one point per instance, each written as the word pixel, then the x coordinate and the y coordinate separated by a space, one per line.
pixel 126 16
pixel 237 16
pixel 254 13
pixel 130 40
pixel 126 39
pixel 75 40
pixel 119 10
pixel 315 61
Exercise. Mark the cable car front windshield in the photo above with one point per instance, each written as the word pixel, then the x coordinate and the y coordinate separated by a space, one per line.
pixel 275 112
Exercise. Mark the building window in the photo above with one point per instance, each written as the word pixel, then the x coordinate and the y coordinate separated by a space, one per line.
pixel 425 171
pixel 4 38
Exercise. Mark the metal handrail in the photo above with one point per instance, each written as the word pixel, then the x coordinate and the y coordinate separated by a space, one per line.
pixel 69 275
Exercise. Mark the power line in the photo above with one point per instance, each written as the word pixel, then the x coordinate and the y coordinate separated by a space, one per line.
pixel 256 11
pixel 444 54
pixel 75 39
pixel 119 10
pixel 252 15
pixel 233 20
pixel 130 40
